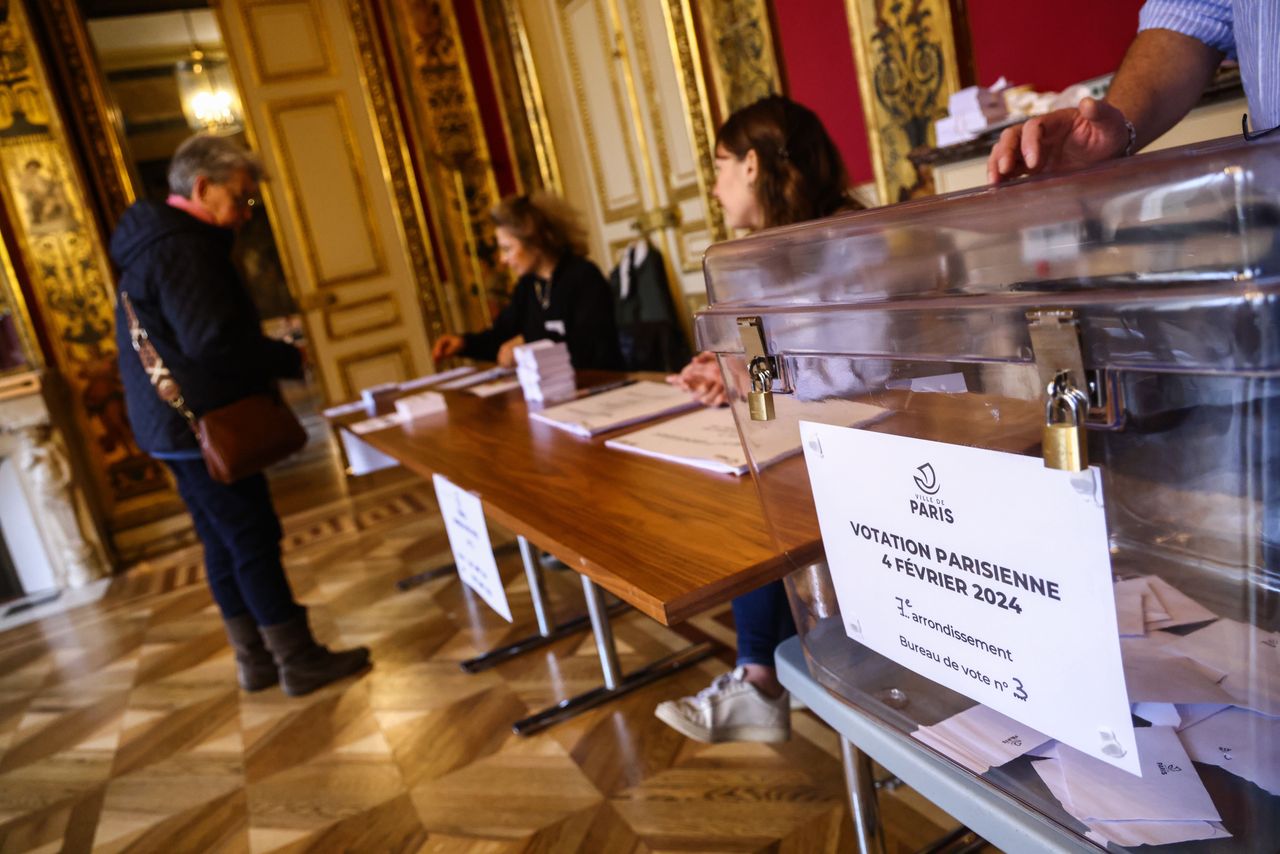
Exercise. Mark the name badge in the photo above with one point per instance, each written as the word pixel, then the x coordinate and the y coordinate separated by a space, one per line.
pixel 555 327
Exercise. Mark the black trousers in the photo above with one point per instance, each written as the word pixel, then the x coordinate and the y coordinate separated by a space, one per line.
pixel 240 531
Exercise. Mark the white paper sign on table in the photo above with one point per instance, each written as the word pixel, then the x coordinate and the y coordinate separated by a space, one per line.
pixel 984 571
pixel 363 458
pixel 472 549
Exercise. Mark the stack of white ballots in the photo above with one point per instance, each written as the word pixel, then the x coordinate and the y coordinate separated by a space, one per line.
pixel 544 371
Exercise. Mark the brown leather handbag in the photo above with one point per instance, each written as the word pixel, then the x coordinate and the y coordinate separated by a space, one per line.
pixel 236 440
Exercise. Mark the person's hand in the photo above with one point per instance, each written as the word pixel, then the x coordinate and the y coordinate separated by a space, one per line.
pixel 702 378
pixel 1059 141
pixel 507 352
pixel 446 346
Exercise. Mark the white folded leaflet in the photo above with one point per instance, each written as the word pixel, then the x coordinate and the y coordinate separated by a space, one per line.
pixel 611 410
pixel 433 379
pixel 545 371
pixel 1156 671
pixel 474 378
pixel 1250 656
pixel 980 738
pixel 420 405
pixel 1240 741
pixel 363 458
pixel 493 387
pixel 706 439
pixel 1125 833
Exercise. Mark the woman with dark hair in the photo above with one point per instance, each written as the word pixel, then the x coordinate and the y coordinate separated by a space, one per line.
pixel 559 294
pixel 775 165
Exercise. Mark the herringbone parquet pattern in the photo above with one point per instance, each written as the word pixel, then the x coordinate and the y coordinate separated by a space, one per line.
pixel 121 728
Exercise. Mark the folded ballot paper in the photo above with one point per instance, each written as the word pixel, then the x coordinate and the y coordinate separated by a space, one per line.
pixel 980 738
pixel 706 439
pixel 363 458
pixel 544 371
pixel 612 410
pixel 420 405
pixel 1167 804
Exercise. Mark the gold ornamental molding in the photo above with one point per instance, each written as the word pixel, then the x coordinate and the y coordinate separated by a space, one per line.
pixel 744 63
pixel 906 57
pixel 306 30
pixel 397 353
pixel 682 35
pixel 411 218
pixel 62 252
pixel 447 127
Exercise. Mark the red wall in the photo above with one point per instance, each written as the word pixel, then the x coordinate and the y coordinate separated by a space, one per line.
pixel 817 60
pixel 1049 45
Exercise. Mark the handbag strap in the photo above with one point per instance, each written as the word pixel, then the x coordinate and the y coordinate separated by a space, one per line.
pixel 163 382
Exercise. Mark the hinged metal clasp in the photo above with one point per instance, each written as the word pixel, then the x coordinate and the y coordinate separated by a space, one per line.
pixel 1065 442
pixel 765 370
pixel 1055 342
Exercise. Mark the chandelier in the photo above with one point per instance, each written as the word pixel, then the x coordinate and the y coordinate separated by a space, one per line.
pixel 207 90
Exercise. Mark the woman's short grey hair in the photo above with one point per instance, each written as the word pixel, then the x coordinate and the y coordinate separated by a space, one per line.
pixel 215 157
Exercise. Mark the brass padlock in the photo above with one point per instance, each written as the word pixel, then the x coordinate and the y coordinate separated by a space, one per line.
pixel 1065 440
pixel 760 398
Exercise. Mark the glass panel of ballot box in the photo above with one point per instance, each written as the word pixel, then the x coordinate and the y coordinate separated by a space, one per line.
pixel 1022 448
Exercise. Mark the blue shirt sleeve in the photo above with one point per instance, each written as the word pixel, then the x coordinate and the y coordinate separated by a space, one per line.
pixel 1210 21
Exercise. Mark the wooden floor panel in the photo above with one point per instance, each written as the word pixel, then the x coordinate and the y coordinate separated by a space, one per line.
pixel 121 727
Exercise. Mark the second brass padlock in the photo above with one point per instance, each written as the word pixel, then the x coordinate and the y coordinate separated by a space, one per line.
pixel 760 398
pixel 1065 439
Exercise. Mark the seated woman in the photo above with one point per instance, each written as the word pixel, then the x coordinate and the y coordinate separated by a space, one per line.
pixel 559 294
pixel 775 165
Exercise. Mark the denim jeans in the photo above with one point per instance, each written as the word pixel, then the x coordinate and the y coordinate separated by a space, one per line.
pixel 238 526
pixel 763 620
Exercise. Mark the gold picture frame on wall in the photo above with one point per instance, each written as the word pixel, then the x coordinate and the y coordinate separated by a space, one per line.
pixel 906 58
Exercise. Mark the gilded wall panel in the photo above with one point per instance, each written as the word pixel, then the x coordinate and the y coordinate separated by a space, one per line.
pixel 63 254
pixel 739 39
pixel 447 127
pixel 906 59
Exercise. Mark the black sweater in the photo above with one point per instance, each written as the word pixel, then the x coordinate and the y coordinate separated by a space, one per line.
pixel 579 303
pixel 198 313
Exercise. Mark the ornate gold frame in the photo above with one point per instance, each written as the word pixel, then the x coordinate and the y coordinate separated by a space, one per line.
pixel 325 69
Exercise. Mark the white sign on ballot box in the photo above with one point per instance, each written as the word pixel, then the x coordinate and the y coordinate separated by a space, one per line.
pixel 469 538
pixel 981 570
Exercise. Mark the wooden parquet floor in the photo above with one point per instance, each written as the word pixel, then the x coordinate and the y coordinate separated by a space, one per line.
pixel 121 727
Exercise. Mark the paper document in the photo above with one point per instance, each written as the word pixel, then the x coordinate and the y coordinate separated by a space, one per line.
pixel 489 389
pixel 1179 609
pixel 1157 672
pixel 1240 741
pixel 344 409
pixel 706 439
pixel 463 515
pixel 1250 657
pixel 432 379
pixel 1168 790
pixel 1126 833
pixel 610 410
pixel 980 738
pixel 473 378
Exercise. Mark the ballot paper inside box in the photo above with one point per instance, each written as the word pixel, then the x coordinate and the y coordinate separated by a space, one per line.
pixel 1151 282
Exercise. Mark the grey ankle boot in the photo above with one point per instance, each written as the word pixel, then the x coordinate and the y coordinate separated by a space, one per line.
pixel 305 665
pixel 255 667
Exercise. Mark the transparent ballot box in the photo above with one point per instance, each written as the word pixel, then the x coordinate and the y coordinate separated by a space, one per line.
pixel 1022 448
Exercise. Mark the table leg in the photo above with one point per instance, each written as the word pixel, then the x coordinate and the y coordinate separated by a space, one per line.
pixel 548 630
pixel 863 806
pixel 615 684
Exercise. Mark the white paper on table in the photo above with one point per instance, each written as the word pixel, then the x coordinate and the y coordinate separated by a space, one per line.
pixel 472 549
pixel 1250 656
pixel 344 409
pixel 989 738
pixel 1181 609
pixel 1126 833
pixel 432 379
pixel 1008 623
pixel 473 378
pixel 706 439
pixel 1242 742
pixel 363 458
pixel 420 405
pixel 611 410
pixel 1157 672
pixel 489 389
pixel 378 422
pixel 1169 789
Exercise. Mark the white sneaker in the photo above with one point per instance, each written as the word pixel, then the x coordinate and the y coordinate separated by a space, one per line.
pixel 730 709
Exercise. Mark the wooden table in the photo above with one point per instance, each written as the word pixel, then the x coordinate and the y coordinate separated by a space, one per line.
pixel 668 539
